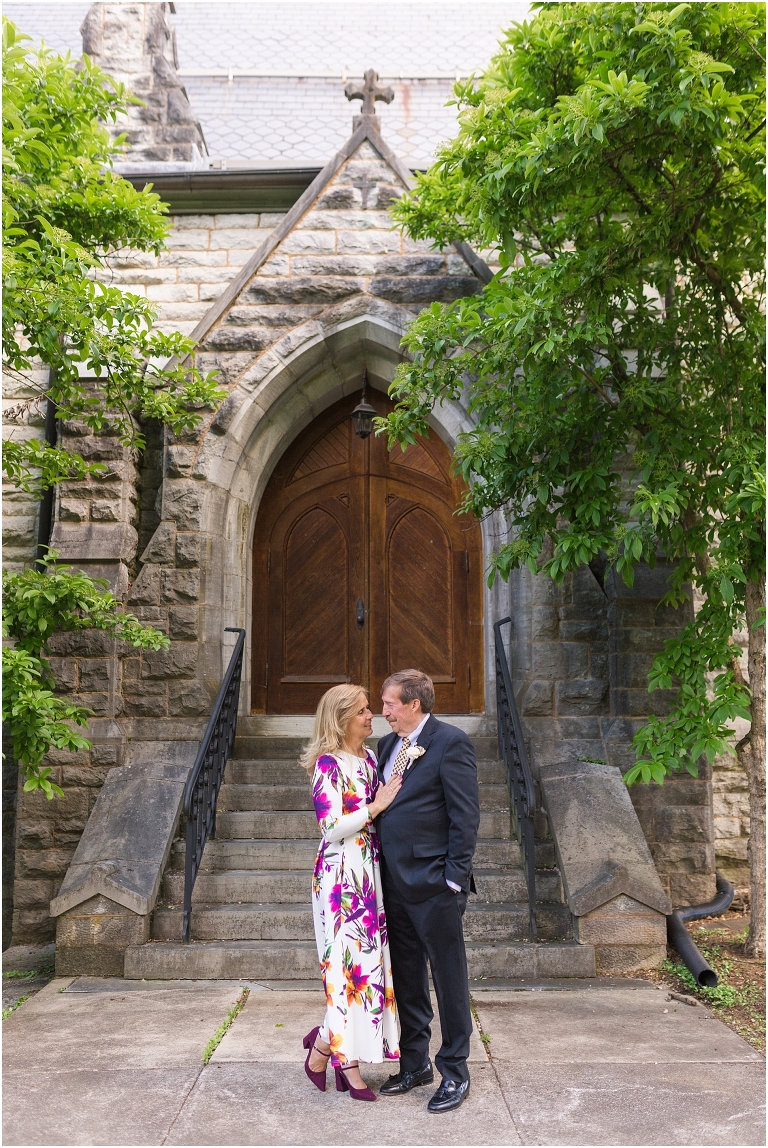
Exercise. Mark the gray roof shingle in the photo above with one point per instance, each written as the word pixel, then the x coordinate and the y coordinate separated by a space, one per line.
pixel 297 114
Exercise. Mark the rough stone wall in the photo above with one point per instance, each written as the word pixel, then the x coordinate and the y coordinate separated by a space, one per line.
pixel 136 45
pixel 581 655
pixel 47 832
pixel 730 798
pixel 203 253
pixel 676 817
pixel 559 648
pixel 23 419
pixel 731 803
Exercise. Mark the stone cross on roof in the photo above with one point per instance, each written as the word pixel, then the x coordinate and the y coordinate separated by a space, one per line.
pixel 369 92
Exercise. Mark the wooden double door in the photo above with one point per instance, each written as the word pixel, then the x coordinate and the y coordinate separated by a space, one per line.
pixel 361 567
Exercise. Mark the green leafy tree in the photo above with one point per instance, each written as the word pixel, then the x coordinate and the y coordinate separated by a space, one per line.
pixel 64 212
pixel 613 155
pixel 37 604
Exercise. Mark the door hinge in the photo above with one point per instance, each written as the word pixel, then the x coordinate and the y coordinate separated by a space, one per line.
pixel 360 613
pixel 466 561
pixel 469 676
pixel 269 561
pixel 266 675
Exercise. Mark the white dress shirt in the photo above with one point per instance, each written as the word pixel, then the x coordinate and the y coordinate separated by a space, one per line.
pixel 389 765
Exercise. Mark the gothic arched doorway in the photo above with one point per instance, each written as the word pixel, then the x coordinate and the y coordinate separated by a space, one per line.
pixel 361 568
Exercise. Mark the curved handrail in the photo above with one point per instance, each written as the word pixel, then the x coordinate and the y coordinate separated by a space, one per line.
pixel 512 750
pixel 202 789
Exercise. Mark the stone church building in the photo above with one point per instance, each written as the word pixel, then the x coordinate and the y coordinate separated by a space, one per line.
pixel 340 560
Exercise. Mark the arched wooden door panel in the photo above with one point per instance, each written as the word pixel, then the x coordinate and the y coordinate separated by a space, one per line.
pixel 361 567
pixel 420 595
pixel 316 586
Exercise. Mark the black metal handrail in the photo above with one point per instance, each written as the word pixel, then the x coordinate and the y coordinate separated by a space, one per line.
pixel 202 789
pixel 512 749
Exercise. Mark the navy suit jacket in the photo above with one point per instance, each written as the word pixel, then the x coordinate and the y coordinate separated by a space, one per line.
pixel 429 832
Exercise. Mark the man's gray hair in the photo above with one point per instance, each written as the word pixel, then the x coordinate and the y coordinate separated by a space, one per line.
pixel 413 684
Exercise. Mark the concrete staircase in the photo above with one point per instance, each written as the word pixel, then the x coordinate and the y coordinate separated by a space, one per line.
pixel 252 916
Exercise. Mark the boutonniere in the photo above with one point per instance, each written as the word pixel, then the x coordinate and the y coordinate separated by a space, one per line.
pixel 412 753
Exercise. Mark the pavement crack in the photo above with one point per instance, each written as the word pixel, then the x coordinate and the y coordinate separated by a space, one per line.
pixel 486 1046
pixel 225 1025
pixel 184 1100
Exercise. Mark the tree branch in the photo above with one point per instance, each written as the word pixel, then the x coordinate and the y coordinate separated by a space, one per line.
pixel 593 383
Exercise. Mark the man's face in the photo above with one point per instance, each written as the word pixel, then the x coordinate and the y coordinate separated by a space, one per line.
pixel 402 716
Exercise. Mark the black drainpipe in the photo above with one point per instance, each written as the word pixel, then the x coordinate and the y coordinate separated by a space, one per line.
pixel 45 520
pixel 679 937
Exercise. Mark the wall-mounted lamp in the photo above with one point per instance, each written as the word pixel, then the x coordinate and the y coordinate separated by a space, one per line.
pixel 363 414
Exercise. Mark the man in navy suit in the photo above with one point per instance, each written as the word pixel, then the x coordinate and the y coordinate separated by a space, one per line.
pixel 427 838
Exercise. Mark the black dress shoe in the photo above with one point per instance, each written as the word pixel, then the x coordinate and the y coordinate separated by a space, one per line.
pixel 405 1081
pixel 449 1095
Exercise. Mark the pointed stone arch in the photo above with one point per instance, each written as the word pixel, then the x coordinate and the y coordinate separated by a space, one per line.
pixel 261 424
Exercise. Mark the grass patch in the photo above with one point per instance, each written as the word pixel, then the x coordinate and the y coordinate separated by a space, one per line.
pixel 485 1037
pixel 14 1006
pixel 27 974
pixel 218 1036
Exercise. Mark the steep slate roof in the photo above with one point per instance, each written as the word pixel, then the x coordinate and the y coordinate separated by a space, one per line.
pixel 290 111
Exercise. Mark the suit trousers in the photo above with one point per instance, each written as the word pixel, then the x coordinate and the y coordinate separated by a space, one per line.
pixel 429 930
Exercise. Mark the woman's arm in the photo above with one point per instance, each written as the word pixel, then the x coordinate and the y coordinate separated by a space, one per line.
pixel 340 811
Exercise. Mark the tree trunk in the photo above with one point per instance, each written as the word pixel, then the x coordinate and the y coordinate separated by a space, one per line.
pixel 753 757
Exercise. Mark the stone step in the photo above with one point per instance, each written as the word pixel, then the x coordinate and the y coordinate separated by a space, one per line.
pixel 234 826
pixel 263 798
pixel 292 886
pixel 271 922
pixel 297 960
pixel 280 771
pixel 220 856
pixel 268 748
pixel 260 748
pixel 275 853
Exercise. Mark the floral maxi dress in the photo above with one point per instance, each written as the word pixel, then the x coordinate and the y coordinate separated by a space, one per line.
pixel 350 927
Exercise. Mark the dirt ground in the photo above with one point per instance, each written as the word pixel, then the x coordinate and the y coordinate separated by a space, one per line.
pixel 739 999
pixel 26 969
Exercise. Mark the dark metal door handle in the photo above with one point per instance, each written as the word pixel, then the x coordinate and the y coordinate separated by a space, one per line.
pixel 360 613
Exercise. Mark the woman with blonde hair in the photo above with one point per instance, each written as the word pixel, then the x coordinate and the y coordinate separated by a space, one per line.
pixel 350 928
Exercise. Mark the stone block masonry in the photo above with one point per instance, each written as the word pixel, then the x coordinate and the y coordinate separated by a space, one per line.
pixel 47 832
pixel 581 655
pixel 730 805
pixel 203 254
pixel 91 939
pixel 23 419
pixel 676 817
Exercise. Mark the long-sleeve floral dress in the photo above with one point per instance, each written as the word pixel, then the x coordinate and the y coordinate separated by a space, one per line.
pixel 350 927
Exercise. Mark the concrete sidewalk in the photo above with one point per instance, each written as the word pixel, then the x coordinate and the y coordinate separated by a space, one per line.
pixel 120 1062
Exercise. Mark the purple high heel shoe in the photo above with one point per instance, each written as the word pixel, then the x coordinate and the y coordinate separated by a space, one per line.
pixel 317 1078
pixel 343 1085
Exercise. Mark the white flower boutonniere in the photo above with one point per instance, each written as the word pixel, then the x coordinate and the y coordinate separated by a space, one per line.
pixel 413 752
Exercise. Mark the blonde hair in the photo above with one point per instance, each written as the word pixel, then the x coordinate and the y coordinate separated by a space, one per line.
pixel 334 713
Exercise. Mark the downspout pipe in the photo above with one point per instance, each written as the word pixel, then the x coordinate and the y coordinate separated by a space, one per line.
pixel 680 939
pixel 45 519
